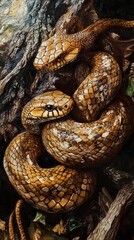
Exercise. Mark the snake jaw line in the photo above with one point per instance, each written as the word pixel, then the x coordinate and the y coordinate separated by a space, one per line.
pixel 44 108
pixel 57 63
pixel 56 52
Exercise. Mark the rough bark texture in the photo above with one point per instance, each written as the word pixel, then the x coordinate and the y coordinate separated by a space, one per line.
pixel 20 39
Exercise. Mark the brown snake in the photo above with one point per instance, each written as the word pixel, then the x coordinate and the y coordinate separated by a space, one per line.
pixel 63 48
pixel 16 213
pixel 106 229
pixel 70 142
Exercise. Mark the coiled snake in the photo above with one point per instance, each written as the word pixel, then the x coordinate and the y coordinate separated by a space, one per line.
pixel 72 143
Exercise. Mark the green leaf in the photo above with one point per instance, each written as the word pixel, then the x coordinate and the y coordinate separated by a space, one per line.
pixel 74 223
pixel 130 87
pixel 40 218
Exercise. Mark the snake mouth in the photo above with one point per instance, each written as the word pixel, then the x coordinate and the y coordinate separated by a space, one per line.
pixel 45 107
pixel 49 65
pixel 54 113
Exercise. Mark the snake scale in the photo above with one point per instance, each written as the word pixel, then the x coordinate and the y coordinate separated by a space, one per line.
pixel 74 144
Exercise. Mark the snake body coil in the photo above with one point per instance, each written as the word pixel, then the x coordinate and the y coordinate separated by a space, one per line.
pixel 89 144
pixel 70 142
pixel 55 189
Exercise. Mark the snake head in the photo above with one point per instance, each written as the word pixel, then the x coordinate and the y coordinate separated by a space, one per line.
pixel 45 107
pixel 56 52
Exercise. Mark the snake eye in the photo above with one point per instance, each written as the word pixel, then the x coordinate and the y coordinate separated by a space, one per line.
pixel 48 107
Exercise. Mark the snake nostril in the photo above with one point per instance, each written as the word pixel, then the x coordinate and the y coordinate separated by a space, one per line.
pixel 59 57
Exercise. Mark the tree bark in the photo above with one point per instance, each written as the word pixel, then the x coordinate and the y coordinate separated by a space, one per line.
pixel 21 37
